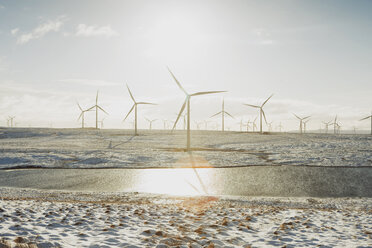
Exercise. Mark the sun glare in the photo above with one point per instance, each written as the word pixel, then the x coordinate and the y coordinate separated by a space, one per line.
pixel 174 181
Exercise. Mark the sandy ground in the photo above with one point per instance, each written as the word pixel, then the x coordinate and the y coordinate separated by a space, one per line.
pixel 76 148
pixel 65 219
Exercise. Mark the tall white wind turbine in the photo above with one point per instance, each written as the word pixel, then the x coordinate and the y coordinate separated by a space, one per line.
pixel 82 114
pixel 135 110
pixel 96 106
pixel 223 112
pixel 187 103
pixel 365 118
pixel 262 113
pixel 301 120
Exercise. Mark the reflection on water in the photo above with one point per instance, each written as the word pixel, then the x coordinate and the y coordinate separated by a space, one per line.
pixel 185 181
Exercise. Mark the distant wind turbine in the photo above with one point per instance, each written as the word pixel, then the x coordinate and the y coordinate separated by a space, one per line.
pixel 270 126
pixel 97 107
pixel 241 124
pixel 326 125
pixel 187 103
pixel 206 124
pixel 280 127
pixel 82 114
pixel 261 111
pixel 135 110
pixel 150 122
pixel 10 120
pixel 223 112
pixel 254 124
pixel 365 118
pixel 101 122
pixel 335 125
pixel 305 125
pixel 301 120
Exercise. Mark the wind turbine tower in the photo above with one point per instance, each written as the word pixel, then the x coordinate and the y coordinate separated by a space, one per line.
pixel 301 121
pixel 150 122
pixel 187 103
pixel 82 114
pixel 262 113
pixel 96 106
pixel 10 120
pixel 223 112
pixel 135 110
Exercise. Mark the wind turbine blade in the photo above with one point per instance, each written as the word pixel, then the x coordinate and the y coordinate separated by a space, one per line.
pixel 206 92
pixel 297 116
pixel 255 119
pixel 229 115
pixel 178 83
pixel 130 93
pixel 79 106
pixel 146 103
pixel 102 109
pixel 336 119
pixel 80 115
pixel 216 114
pixel 250 105
pixel 263 113
pixel 306 117
pixel 179 114
pixel 266 100
pixel 91 108
pixel 97 97
pixel 129 112
pixel 366 118
pixel 147 119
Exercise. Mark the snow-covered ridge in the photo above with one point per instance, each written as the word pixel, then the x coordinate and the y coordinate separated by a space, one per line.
pixel 76 148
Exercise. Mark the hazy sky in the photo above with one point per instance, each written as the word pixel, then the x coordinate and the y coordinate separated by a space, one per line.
pixel 315 56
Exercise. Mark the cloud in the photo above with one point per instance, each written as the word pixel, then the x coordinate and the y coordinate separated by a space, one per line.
pixel 40 31
pixel 14 31
pixel 2 6
pixel 87 31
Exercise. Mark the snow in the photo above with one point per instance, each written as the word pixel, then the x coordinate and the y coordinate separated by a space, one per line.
pixel 89 148
pixel 81 219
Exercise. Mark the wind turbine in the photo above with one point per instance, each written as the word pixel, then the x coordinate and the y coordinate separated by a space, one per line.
pixel 223 112
pixel 326 125
pixel 187 103
pixel 150 122
pixel 254 124
pixel 101 122
pixel 305 125
pixel 97 107
pixel 241 124
pixel 261 111
pixel 301 121
pixel 280 127
pixel 10 120
pixel 365 118
pixel 206 124
pixel 249 122
pixel 82 114
pixel 270 126
pixel 335 125
pixel 165 126
pixel 135 110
